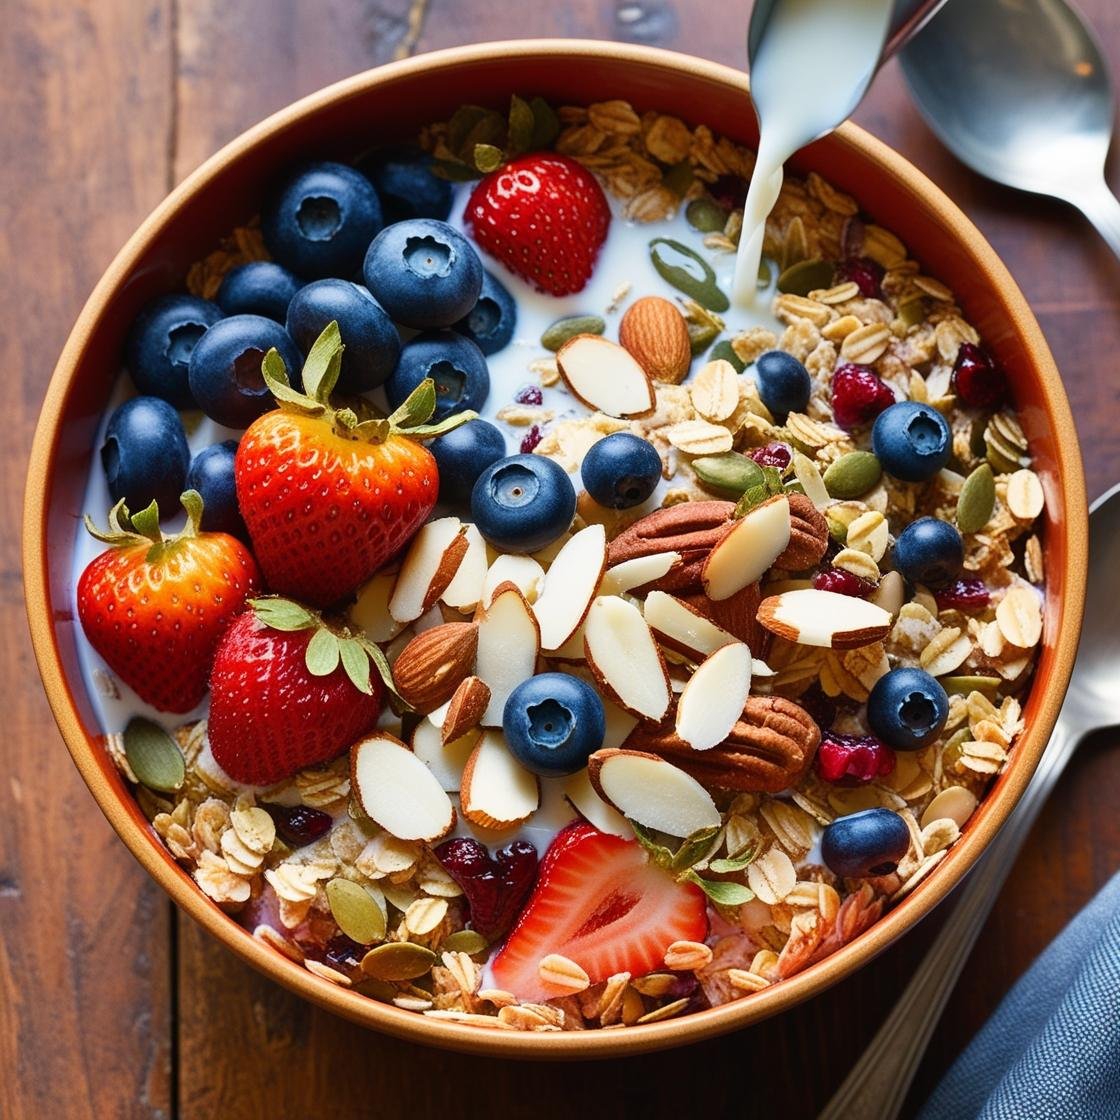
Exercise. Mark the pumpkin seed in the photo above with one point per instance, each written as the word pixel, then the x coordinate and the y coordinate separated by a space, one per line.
pixel 154 756
pixel 398 960
pixel 701 336
pixel 963 685
pixel 977 500
pixel 730 471
pixel 726 352
pixel 380 990
pixel 679 178
pixel 706 216
pixel 912 311
pixel 852 474
pixel 467 941
pixel 763 274
pixel 355 911
pixel 806 276
pixel 567 328
pixel 695 277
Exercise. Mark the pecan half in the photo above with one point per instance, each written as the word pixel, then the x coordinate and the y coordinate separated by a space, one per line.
pixel 808 536
pixel 769 749
pixel 738 615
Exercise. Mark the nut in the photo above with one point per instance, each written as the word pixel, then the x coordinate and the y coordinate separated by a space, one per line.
pixel 656 334
pixel 431 667
pixel 808 536
pixel 466 708
pixel 738 615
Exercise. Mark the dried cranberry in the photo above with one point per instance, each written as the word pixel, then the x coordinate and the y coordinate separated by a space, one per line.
pixel 299 824
pixel 851 760
pixel 865 272
pixel 531 394
pixel 772 455
pixel 532 437
pixel 968 594
pixel 858 395
pixel 729 191
pixel 976 379
pixel 495 887
pixel 342 953
pixel 843 582
pixel 821 707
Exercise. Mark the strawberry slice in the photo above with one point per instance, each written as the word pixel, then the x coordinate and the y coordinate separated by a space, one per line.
pixel 600 901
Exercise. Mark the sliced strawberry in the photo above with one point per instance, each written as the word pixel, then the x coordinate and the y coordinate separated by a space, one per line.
pixel 602 903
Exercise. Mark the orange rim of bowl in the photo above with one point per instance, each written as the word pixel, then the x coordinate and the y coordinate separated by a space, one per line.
pixel 695 1026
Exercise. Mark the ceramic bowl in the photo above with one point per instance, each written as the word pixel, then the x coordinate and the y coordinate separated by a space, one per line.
pixel 226 191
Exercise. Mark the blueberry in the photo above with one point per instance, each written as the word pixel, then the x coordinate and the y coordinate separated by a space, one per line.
pixel 783 383
pixel 493 319
pixel 870 842
pixel 621 470
pixel 912 440
pixel 258 288
pixel 462 455
pixel 553 723
pixel 907 709
pixel 321 220
pixel 372 343
pixel 453 362
pixel 145 454
pixel 160 343
pixel 405 184
pixel 211 474
pixel 929 551
pixel 424 273
pixel 226 368
pixel 522 503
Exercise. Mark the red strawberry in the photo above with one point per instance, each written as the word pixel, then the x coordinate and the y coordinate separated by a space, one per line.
pixel 288 692
pixel 154 607
pixel 327 496
pixel 544 217
pixel 602 902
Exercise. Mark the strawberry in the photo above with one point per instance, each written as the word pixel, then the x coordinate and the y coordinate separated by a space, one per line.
pixel 289 691
pixel 600 901
pixel 155 606
pixel 328 496
pixel 545 217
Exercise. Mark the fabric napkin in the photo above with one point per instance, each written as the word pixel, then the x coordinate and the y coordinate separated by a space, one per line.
pixel 1052 1048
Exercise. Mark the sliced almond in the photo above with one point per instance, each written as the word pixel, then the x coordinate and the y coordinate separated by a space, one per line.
pixel 523 572
pixel 570 586
pixel 638 572
pixel 447 761
pixel 605 377
pixel 585 799
pixel 464 592
pixel 397 790
pixel 624 658
pixel 824 618
pixel 745 553
pixel 370 613
pixel 712 701
pixel 465 709
pixel 682 628
pixel 508 644
pixel 497 791
pixel 572 650
pixel 430 668
pixel 653 792
pixel 619 722
pixel 429 566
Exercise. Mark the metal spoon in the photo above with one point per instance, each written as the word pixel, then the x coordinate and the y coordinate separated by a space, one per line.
pixel 877 1085
pixel 1020 91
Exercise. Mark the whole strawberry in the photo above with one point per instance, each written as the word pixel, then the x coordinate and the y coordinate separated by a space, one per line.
pixel 154 607
pixel 288 691
pixel 545 217
pixel 327 496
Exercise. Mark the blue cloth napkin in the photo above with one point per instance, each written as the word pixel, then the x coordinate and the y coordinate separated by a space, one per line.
pixel 1052 1049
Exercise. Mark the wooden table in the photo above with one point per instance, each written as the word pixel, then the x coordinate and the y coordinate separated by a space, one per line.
pixel 113 1005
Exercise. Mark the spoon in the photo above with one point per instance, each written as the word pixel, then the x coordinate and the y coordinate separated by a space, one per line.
pixel 877 1086
pixel 1020 92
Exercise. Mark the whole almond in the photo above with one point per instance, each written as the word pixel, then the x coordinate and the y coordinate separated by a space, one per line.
pixel 656 334
pixel 433 665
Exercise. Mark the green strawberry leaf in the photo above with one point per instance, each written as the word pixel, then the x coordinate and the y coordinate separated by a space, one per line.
pixel 275 376
pixel 660 855
pixel 488 158
pixel 464 120
pixel 546 124
pixel 373 431
pixel 693 849
pixel 417 407
pixel 521 124
pixel 722 893
pixel 734 863
pixel 283 614
pixel 146 523
pixel 323 364
pixel 323 653
pixel 192 503
pixel 442 427
pixel 355 662
pixel 381 664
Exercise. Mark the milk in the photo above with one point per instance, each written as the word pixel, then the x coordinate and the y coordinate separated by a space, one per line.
pixel 814 61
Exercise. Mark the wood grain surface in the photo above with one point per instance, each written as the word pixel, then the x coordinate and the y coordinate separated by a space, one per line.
pixel 111 1004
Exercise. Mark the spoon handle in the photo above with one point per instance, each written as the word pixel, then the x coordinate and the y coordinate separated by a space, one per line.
pixel 1102 208
pixel 877 1086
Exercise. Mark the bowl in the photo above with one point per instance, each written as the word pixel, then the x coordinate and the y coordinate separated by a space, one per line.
pixel 225 192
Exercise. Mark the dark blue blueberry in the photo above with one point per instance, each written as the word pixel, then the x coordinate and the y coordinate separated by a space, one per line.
pixel 462 455
pixel 372 343
pixel 783 383
pixel 211 474
pixel 405 184
pixel 621 470
pixel 226 368
pixel 522 503
pixel 159 346
pixel 493 319
pixel 912 440
pixel 453 362
pixel 321 220
pixel 258 288
pixel 907 709
pixel 553 723
pixel 929 551
pixel 863 844
pixel 145 455
pixel 424 273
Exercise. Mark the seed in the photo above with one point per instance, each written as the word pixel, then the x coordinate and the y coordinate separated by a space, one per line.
pixel 852 474
pixel 467 941
pixel 725 352
pixel 977 500
pixel 398 960
pixel 355 911
pixel 154 756
pixel 563 330
pixel 806 276
pixel 690 273
pixel 705 215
